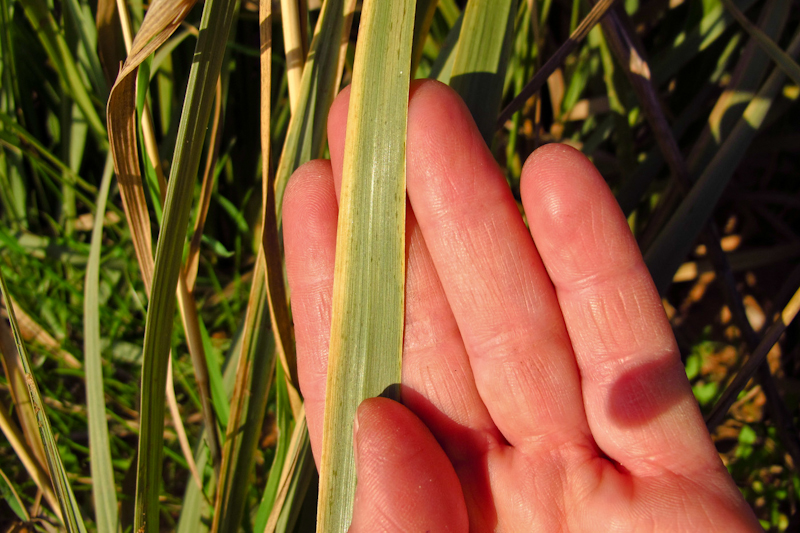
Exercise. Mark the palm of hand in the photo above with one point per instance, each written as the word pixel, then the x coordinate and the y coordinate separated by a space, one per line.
pixel 545 385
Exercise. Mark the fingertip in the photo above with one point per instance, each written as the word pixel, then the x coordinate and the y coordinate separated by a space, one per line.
pixel 405 481
pixel 573 214
pixel 337 126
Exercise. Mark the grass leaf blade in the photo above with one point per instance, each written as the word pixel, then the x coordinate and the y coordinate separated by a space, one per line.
pixel 58 476
pixel 104 492
pixel 215 27
pixel 479 67
pixel 367 327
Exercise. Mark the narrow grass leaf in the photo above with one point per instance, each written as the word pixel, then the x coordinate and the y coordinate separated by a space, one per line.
pixel 180 430
pixel 298 471
pixel 426 9
pixel 73 521
pixel 556 60
pixel 283 423
pixel 254 376
pixel 209 178
pixel 62 59
pixel 294 47
pixel 12 498
pixel 676 239
pixel 104 491
pixel 745 81
pixel 196 509
pixel 18 390
pixel 87 36
pixel 694 40
pixel 443 65
pixel 305 138
pixel 781 58
pixel 759 355
pixel 257 362
pixel 215 28
pixel 161 21
pixel 481 57
pixel 35 470
pixel 367 326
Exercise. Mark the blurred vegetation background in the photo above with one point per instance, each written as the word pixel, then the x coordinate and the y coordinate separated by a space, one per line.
pixel 686 107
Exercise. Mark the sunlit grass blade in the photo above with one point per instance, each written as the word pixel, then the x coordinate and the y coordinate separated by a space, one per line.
pixel 693 41
pixel 73 521
pixel 678 236
pixel 104 491
pixel 215 27
pixel 781 58
pixel 305 139
pixel 294 46
pixel 481 57
pixel 745 81
pixel 422 25
pixel 367 324
pixel 555 61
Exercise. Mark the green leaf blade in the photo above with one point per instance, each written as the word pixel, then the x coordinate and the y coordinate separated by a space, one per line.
pixel 367 327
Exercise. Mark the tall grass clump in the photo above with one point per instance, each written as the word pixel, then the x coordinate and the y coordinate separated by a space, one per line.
pixel 149 372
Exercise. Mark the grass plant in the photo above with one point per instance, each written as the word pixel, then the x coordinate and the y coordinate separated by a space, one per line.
pixel 122 122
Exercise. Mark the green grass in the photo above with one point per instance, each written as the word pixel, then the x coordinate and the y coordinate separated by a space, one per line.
pixel 92 331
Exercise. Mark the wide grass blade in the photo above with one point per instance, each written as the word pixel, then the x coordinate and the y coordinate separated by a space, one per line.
pixel 479 67
pixel 104 491
pixel 73 521
pixel 215 27
pixel 367 327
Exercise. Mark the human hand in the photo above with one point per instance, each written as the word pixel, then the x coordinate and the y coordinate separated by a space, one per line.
pixel 542 386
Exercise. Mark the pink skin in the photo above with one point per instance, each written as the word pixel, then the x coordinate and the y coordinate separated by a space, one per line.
pixel 542 387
